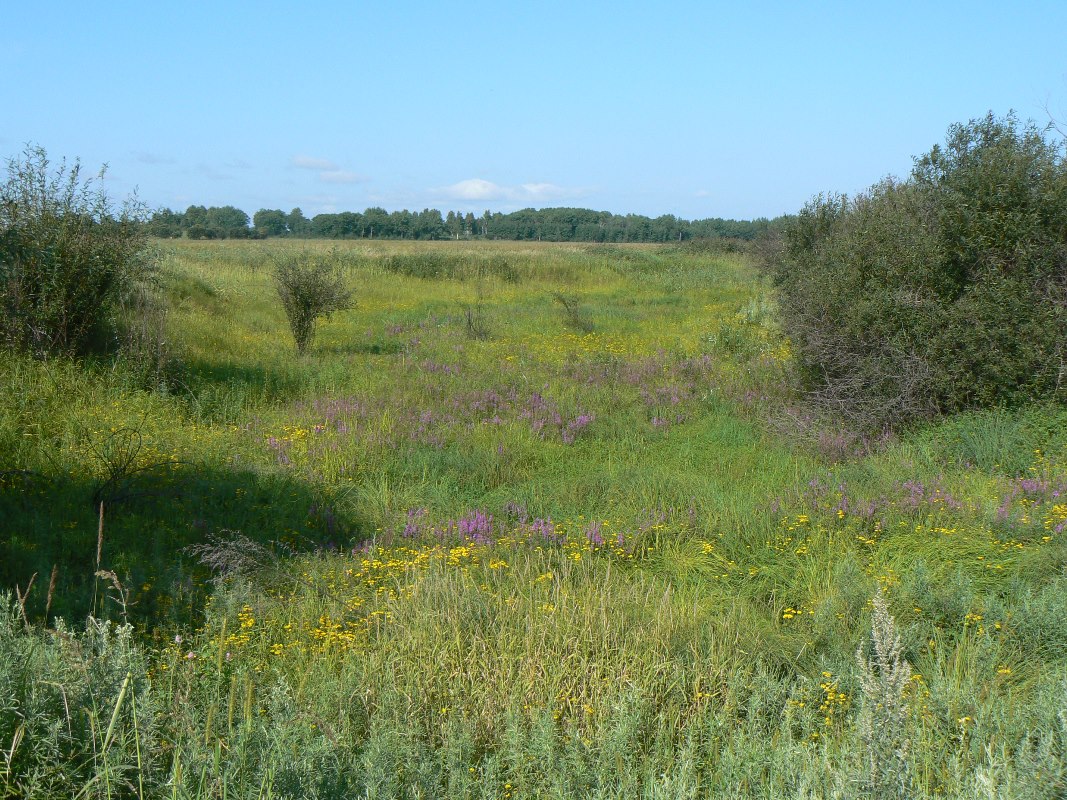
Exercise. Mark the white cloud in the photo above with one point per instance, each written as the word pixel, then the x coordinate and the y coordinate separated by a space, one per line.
pixel 329 171
pixel 340 176
pixel 479 189
pixel 474 189
pixel 309 162
pixel 548 191
pixel 317 199
pixel 319 203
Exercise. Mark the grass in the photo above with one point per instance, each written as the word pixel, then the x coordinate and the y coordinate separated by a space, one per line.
pixel 572 555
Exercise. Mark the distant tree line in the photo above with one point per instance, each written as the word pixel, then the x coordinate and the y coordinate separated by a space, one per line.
pixel 547 224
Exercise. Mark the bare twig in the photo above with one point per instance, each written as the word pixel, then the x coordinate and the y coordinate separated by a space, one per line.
pixel 100 536
pixel 122 594
pixel 51 592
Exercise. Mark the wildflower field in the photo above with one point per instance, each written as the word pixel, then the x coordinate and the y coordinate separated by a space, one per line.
pixel 530 520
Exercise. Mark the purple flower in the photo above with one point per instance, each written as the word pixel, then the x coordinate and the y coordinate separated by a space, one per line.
pixel 414 524
pixel 594 533
pixel 516 511
pixel 546 529
pixel 476 527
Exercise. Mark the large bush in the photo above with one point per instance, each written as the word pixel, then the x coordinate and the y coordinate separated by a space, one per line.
pixel 71 266
pixel 942 292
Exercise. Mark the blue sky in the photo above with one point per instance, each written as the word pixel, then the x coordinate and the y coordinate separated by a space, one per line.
pixel 698 109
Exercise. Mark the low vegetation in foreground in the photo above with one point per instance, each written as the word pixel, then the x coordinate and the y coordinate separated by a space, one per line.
pixel 524 521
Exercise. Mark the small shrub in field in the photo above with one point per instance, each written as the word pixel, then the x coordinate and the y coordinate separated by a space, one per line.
pixel 72 269
pixel 575 316
pixel 940 293
pixel 429 266
pixel 477 322
pixel 309 287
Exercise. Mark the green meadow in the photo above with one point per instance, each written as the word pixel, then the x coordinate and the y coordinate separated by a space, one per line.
pixel 528 520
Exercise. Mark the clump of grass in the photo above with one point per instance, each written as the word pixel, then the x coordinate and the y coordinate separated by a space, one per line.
pixel 427 265
pixel 476 321
pixel 78 717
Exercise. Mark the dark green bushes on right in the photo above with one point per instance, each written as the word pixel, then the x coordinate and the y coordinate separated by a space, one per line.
pixel 943 292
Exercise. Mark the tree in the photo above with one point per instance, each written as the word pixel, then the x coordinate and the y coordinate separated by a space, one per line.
pixel 298 224
pixel 228 222
pixel 194 217
pixel 165 224
pixel 70 263
pixel 429 225
pixel 310 287
pixel 270 222
pixel 376 221
pixel 454 224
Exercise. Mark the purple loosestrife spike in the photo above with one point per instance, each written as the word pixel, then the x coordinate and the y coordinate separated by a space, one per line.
pixel 594 534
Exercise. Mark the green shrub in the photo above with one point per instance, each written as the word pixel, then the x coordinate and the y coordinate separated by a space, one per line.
pixel 943 292
pixel 309 287
pixel 71 266
pixel 575 315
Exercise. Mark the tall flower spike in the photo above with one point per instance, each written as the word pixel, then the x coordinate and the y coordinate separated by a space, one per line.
pixel 884 678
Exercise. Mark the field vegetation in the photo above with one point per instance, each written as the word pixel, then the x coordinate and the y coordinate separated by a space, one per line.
pixel 526 520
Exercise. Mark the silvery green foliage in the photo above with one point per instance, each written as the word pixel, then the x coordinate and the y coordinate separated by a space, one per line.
pixel 60 691
pixel 1035 768
pixel 882 725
